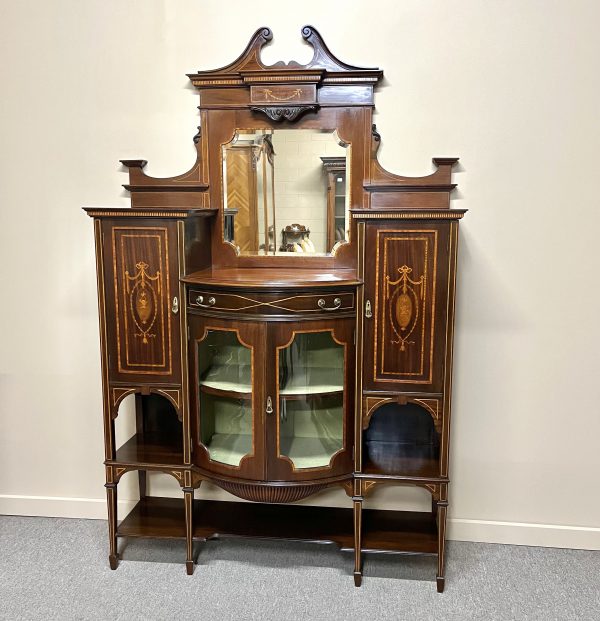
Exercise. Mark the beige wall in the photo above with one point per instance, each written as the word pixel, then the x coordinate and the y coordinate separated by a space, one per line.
pixel 512 87
pixel 301 181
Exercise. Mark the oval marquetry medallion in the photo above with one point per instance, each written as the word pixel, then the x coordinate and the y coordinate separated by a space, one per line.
pixel 404 310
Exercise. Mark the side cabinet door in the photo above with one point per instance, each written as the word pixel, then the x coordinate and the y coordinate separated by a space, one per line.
pixel 310 387
pixel 142 287
pixel 406 293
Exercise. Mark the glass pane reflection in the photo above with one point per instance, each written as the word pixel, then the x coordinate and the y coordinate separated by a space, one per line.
pixel 311 413
pixel 225 388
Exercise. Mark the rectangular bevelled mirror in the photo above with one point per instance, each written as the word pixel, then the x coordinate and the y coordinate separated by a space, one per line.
pixel 286 191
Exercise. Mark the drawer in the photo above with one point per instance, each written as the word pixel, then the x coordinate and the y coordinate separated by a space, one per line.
pixel 275 304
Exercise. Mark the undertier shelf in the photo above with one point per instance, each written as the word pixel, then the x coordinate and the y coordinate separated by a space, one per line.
pixel 383 531
pixel 151 449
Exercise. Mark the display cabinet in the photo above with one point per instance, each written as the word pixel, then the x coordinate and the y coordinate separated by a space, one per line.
pixel 276 368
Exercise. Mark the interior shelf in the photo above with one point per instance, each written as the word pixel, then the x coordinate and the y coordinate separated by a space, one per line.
pixel 234 378
pixel 309 452
pixel 383 531
pixel 313 394
pixel 229 448
pixel 312 381
pixel 223 389
pixel 152 448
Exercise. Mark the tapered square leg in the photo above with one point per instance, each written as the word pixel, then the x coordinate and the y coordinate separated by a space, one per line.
pixel 357 541
pixel 188 497
pixel 111 498
pixel 441 522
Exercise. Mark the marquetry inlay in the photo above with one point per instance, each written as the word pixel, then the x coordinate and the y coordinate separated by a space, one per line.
pixel 404 297
pixel 142 296
pixel 144 292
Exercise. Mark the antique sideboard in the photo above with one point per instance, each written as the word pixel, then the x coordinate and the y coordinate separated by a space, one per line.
pixel 283 315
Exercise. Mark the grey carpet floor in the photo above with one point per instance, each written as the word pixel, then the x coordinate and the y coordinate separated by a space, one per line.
pixel 58 569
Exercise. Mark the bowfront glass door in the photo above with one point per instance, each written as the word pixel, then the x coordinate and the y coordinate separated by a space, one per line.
pixel 226 370
pixel 310 429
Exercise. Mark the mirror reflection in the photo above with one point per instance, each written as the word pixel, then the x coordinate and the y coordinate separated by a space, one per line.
pixel 286 191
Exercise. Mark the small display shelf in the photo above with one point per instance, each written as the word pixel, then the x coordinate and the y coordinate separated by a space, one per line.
pixel 379 458
pixel 152 448
pixel 401 440
pixel 158 440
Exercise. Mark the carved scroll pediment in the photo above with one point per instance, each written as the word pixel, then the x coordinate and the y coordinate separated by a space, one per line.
pixel 323 62
pixel 279 113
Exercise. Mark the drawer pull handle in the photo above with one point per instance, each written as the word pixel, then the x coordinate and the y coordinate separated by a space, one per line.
pixel 175 306
pixel 200 301
pixel 336 304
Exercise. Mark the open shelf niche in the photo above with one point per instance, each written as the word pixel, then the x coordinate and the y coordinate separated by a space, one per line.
pixel 158 439
pixel 401 440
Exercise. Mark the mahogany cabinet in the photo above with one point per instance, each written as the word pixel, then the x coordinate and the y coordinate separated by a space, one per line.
pixel 274 374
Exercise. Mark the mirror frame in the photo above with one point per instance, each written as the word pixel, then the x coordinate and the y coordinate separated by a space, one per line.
pixel 324 93
pixel 330 252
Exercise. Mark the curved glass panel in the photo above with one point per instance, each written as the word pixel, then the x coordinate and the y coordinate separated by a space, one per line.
pixel 311 399
pixel 225 391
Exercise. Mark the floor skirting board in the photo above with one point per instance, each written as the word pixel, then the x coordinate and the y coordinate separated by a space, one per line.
pixel 525 534
pixel 59 506
pixel 514 533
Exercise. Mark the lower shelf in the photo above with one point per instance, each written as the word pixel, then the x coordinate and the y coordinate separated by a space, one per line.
pixel 406 532
pixel 151 448
pixel 386 458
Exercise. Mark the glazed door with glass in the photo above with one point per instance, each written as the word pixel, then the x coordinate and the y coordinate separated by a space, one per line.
pixel 228 397
pixel 309 433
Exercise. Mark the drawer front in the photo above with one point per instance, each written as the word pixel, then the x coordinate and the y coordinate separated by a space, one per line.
pixel 325 303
